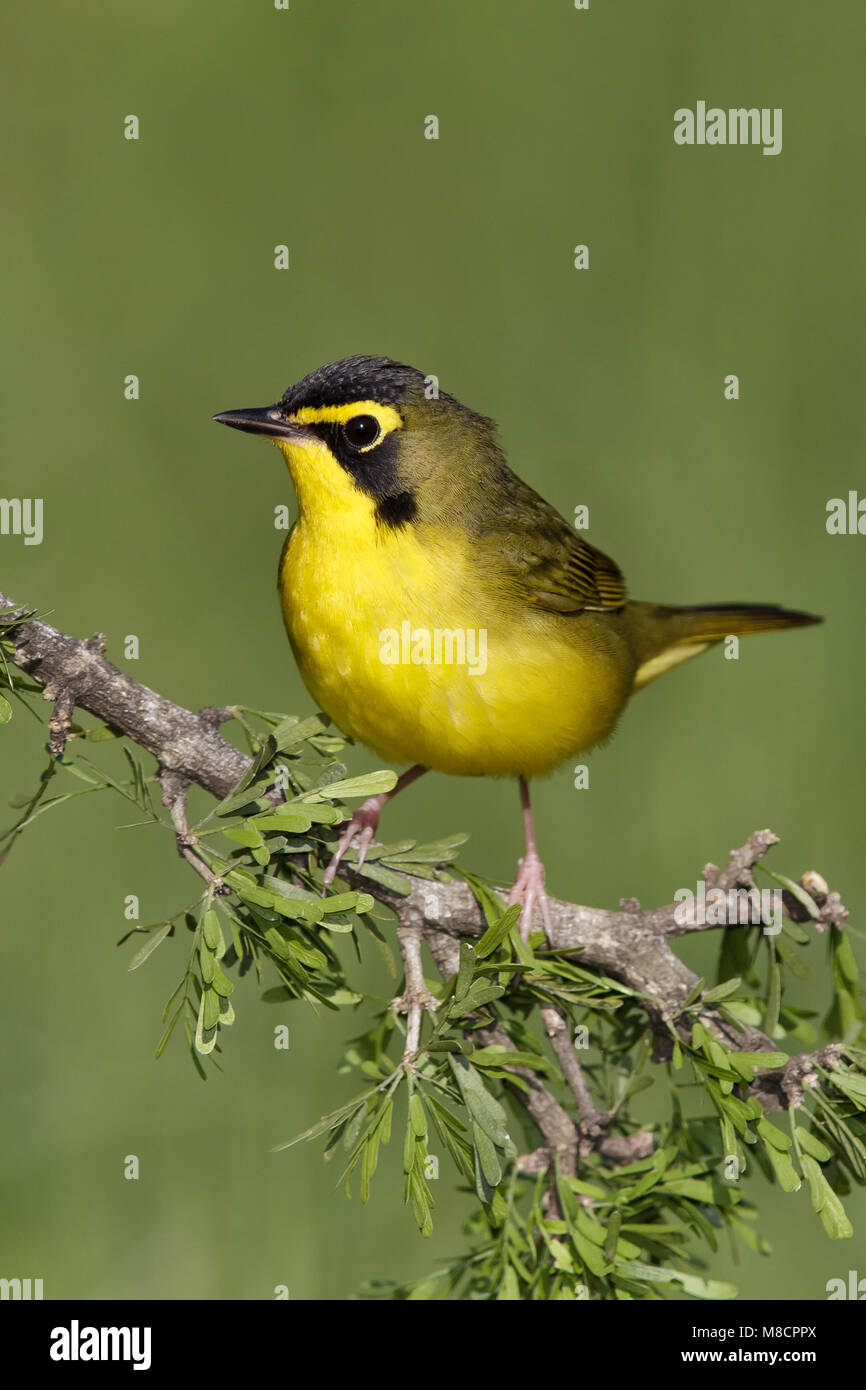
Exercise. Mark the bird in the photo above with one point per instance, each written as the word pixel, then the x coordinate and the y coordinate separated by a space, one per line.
pixel 444 614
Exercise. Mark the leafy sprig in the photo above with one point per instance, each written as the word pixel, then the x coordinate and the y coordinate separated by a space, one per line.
pixel 624 1232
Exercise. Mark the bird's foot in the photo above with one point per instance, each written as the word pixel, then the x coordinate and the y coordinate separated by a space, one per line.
pixel 365 822
pixel 529 890
pixel 363 825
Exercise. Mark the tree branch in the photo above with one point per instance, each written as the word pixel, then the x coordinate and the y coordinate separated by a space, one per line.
pixel 76 673
pixel 630 945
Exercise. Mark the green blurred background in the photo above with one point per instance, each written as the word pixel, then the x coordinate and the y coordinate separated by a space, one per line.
pixel 155 257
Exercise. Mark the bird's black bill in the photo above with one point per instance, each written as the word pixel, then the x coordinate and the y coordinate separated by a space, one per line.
pixel 267 420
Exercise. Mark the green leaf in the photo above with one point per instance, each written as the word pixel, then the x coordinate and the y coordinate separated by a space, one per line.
pixel 833 1215
pixel 785 1171
pixel 741 1114
pixel 826 1203
pixel 488 1158
pixel 765 1061
pixel 369 1163
pixel 698 1191
pixel 161 1046
pixel 340 998
pixel 745 1013
pixel 796 932
pixel 5 710
pixel 588 1226
pixel 343 902
pixel 249 834
pixel 307 955
pixel 561 1256
pixel 591 1256
pixel 205 1036
pixel 742 1067
pixel 492 905
pixel 329 1121
pixel 483 1108
pixel 854 1086
pixel 792 959
pixel 396 883
pixel 342 926
pixel 210 1008
pixel 693 993
pixel 796 891
pixel 227 1013
pixel 290 900
pixel 811 1145
pixel 296 909
pixel 264 755
pixel 722 991
pixel 289 820
pixel 154 939
pixel 496 1056
pixel 292 731
pixel 409 1148
pixel 813 1177
pixel 417 1118
pixel 221 984
pixel 698 1288
pixel 509 1289
pixel 243 797
pixel 323 813
pixel 844 958
pixel 212 932
pixel 612 1235
pixel 431 852
pixel 277 994
pixel 277 943
pixel 391 851
pixel 774 997
pixel 478 994
pixel 419 1195
pixel 773 1136
pixel 465 970
pixel 369 784
pixel 352 1131
pixel 496 934
pixel 248 888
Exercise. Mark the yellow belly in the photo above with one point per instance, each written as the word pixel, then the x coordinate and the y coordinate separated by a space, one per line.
pixel 505 689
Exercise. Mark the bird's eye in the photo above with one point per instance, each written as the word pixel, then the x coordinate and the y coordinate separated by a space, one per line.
pixel 361 431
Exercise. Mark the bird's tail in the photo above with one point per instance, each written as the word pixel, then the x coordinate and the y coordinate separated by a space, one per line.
pixel 665 637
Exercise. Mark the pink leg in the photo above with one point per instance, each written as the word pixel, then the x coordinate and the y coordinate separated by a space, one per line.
pixel 529 884
pixel 365 821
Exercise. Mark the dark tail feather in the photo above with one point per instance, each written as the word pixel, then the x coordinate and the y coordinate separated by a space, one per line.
pixel 713 621
pixel 668 636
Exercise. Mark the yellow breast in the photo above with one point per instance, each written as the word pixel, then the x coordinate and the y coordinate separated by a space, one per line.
pixel 404 641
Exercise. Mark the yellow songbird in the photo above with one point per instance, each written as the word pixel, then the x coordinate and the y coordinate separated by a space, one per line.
pixel 440 610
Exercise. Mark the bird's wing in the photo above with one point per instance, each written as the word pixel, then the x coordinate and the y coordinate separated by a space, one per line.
pixel 554 566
